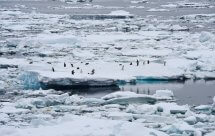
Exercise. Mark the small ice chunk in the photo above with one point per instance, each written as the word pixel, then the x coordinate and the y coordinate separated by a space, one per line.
pixel 172 108
pixel 141 99
pixel 202 118
pixel 181 128
pixel 120 116
pixel 120 12
pixel 92 101
pixel 74 99
pixel 191 120
pixel 164 94
pixel 203 108
pixel 205 36
pixel 118 95
pixel 141 109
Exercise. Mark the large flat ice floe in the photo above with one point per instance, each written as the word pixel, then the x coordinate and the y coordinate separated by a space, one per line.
pixel 105 73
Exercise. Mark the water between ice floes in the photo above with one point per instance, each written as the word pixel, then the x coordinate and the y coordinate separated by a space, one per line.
pixel 188 92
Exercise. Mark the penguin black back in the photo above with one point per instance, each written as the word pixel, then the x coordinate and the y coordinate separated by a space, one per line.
pixel 72 72
pixel 137 62
pixel 93 72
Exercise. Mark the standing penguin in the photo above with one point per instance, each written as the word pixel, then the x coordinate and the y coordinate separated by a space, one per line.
pixel 71 65
pixel 131 63
pixel 137 62
pixel 93 72
pixel 148 62
pixel 72 72
pixel 53 69
pixel 122 67
pixel 164 63
pixel 64 64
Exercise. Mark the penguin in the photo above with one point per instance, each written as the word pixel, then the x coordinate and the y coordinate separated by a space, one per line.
pixel 131 63
pixel 31 62
pixel 71 65
pixel 93 72
pixel 78 68
pixel 72 72
pixel 86 63
pixel 148 62
pixel 53 69
pixel 64 64
pixel 137 62
pixel 122 67
pixel 164 63
pixel 144 62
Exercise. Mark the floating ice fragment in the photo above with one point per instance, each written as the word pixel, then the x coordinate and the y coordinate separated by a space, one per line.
pixel 30 80
pixel 205 36
pixel 191 120
pixel 120 12
pixel 164 94
pixel 118 95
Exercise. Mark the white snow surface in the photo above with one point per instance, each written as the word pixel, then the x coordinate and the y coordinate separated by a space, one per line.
pixel 82 126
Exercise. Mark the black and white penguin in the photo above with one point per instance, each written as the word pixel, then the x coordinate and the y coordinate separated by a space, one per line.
pixel 164 63
pixel 137 62
pixel 123 67
pixel 64 64
pixel 72 72
pixel 53 69
pixel 93 72
pixel 71 65
pixel 87 63
pixel 148 61
pixel 131 63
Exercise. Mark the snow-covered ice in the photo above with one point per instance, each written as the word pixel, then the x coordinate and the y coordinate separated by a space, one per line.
pixel 66 44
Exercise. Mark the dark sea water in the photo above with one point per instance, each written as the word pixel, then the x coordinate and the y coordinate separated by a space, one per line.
pixel 188 92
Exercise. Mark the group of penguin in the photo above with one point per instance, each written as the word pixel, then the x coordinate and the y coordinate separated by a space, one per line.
pixel 93 70
pixel 73 71
pixel 138 62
